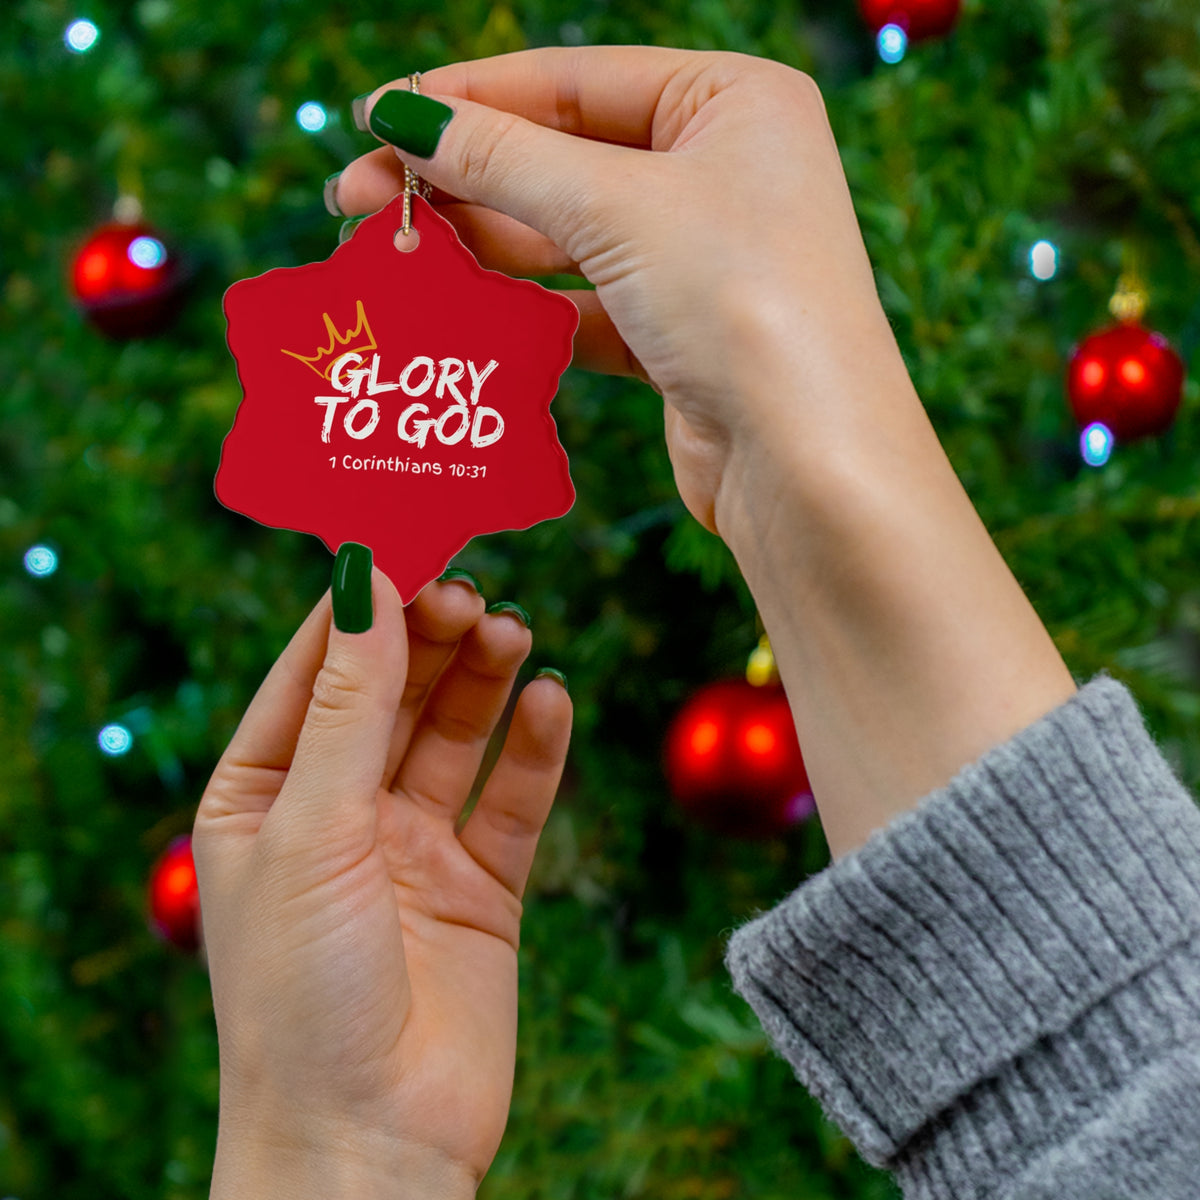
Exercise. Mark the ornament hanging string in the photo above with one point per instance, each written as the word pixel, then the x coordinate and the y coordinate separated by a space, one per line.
pixel 1129 301
pixel 412 181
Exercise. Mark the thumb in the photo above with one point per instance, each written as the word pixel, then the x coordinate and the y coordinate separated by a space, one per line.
pixel 342 749
pixel 546 179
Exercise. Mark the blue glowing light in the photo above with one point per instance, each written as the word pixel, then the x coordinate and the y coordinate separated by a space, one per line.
pixel 1096 444
pixel 311 117
pixel 892 43
pixel 147 253
pixel 41 561
pixel 115 740
pixel 81 36
pixel 1043 260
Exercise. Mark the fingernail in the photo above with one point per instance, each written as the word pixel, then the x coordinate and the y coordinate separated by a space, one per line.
pixel 513 609
pixel 329 195
pixel 358 110
pixel 557 676
pixel 352 611
pixel 452 574
pixel 347 228
pixel 414 123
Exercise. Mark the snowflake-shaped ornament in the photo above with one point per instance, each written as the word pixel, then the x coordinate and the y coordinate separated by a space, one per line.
pixel 401 400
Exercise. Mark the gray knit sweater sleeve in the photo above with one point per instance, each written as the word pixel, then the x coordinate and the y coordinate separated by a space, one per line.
pixel 998 996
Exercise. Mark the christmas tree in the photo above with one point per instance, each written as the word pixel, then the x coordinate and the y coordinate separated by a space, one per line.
pixel 138 616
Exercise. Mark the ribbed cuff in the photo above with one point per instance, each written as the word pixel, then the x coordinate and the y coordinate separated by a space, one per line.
pixel 992 969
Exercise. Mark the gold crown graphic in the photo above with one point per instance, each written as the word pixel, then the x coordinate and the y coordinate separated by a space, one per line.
pixel 357 340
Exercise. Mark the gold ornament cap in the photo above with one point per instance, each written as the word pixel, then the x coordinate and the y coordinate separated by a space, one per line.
pixel 1129 301
pixel 760 667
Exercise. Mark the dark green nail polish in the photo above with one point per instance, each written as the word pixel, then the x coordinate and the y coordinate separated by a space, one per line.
pixel 352 611
pixel 412 122
pixel 329 195
pixel 358 110
pixel 513 608
pixel 346 232
pixel 552 673
pixel 457 573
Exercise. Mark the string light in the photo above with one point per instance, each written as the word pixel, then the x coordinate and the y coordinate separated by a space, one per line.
pixel 1096 444
pixel 1043 260
pixel 892 43
pixel 81 36
pixel 41 561
pixel 115 740
pixel 311 117
pixel 147 253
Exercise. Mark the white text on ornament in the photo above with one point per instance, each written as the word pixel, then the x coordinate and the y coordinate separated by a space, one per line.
pixel 457 421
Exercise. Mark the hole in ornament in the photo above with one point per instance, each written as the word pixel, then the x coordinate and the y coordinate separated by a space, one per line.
pixel 406 243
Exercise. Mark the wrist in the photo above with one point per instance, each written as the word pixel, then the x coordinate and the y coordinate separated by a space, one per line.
pixel 905 644
pixel 315 1160
pixel 824 413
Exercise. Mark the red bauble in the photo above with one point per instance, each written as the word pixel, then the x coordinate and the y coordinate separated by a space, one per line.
pixel 127 281
pixel 918 18
pixel 1127 378
pixel 175 896
pixel 733 762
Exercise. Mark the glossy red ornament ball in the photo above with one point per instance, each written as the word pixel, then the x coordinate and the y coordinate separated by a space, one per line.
pixel 733 762
pixel 918 18
pixel 1127 378
pixel 127 281
pixel 175 896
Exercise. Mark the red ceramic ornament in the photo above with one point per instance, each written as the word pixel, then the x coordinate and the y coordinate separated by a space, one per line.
pixel 400 400
pixel 919 19
pixel 1127 378
pixel 175 896
pixel 126 280
pixel 733 761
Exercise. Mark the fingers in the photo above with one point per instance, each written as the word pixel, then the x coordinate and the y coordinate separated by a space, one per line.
pixel 502 244
pixel 371 180
pixel 607 93
pixel 437 620
pixel 540 177
pixel 556 137
pixel 496 240
pixel 331 788
pixel 598 346
pixel 450 738
pixel 249 774
pixel 502 832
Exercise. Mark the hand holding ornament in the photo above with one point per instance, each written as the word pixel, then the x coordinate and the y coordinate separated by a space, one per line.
pixel 363 951
pixel 703 196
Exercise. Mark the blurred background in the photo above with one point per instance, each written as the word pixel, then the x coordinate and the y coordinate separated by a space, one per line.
pixel 1015 167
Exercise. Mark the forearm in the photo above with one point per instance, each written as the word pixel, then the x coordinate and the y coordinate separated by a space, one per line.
pixel 906 646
